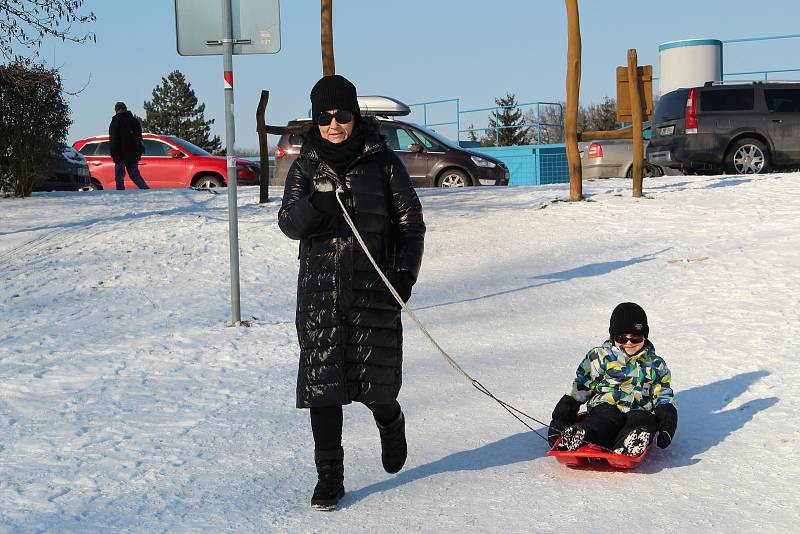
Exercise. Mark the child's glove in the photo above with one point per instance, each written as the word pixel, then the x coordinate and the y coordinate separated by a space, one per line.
pixel 667 416
pixel 564 414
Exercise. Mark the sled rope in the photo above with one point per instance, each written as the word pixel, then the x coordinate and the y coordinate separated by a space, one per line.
pixel 515 412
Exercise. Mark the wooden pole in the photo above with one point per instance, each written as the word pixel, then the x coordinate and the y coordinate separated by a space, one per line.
pixel 573 95
pixel 263 147
pixel 636 118
pixel 328 66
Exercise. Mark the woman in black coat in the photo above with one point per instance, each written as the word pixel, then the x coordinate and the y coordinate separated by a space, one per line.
pixel 348 324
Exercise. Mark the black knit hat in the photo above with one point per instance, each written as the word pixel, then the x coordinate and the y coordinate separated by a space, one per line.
pixel 120 106
pixel 628 318
pixel 334 92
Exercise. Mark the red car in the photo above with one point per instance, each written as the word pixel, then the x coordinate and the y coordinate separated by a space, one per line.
pixel 168 161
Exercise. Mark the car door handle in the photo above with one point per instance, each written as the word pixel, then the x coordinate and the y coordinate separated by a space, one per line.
pixel 777 120
pixel 96 163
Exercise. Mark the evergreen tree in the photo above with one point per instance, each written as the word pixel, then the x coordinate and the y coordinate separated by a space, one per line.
pixel 174 110
pixel 511 121
pixel 472 135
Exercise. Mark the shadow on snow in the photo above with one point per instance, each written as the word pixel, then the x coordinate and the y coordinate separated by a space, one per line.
pixel 703 423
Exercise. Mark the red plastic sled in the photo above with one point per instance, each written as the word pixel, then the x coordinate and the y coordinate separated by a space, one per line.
pixel 591 453
pixel 588 454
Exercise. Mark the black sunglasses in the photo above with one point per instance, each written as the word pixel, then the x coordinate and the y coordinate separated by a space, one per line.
pixel 342 116
pixel 622 339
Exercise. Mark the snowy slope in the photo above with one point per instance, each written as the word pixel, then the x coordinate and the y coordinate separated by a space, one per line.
pixel 127 404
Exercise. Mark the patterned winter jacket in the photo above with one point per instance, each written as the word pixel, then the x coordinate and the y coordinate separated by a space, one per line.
pixel 608 375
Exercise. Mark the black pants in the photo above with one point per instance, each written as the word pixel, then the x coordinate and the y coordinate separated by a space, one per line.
pixel 607 426
pixel 326 423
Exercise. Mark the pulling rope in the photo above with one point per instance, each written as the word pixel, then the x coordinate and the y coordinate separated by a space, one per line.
pixel 515 412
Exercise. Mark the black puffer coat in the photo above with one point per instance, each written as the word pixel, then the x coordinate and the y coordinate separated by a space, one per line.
pixel 125 138
pixel 348 324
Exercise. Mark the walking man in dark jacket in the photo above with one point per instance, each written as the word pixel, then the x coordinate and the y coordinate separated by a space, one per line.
pixel 125 138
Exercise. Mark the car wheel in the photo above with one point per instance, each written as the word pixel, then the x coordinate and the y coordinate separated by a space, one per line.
pixel 747 156
pixel 94 186
pixel 207 181
pixel 453 178
pixel 648 171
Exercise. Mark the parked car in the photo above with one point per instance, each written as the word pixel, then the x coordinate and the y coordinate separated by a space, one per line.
pixel 613 158
pixel 740 128
pixel 168 161
pixel 431 159
pixel 68 172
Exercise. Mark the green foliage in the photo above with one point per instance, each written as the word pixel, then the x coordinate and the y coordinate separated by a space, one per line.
pixel 472 135
pixel 174 110
pixel 506 123
pixel 35 119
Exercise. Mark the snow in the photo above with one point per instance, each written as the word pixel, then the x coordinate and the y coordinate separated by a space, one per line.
pixel 128 404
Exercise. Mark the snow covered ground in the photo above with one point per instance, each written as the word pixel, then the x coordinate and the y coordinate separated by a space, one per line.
pixel 127 404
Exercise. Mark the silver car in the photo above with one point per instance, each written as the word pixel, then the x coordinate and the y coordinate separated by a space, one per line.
pixel 613 158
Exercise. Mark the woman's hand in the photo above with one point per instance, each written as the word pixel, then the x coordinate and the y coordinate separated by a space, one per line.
pixel 325 201
pixel 403 282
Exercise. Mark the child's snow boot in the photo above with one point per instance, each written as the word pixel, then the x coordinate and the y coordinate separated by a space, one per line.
pixel 572 438
pixel 394 448
pixel 330 484
pixel 635 442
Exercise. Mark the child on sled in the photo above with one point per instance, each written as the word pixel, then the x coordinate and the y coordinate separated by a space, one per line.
pixel 627 388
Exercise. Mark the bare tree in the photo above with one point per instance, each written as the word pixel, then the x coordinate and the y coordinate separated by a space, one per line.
pixel 26 23
pixel 592 117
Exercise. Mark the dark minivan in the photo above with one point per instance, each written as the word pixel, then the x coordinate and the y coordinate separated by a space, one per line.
pixel 742 128
pixel 431 160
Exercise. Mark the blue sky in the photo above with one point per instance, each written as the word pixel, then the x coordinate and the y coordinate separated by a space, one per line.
pixel 416 50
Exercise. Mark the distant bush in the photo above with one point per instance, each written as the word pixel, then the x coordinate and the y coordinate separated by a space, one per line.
pixel 35 119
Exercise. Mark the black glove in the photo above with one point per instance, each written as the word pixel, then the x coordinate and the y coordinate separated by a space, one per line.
pixel 325 201
pixel 667 416
pixel 403 282
pixel 564 414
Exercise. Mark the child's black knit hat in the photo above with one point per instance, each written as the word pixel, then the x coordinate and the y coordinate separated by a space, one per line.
pixel 628 318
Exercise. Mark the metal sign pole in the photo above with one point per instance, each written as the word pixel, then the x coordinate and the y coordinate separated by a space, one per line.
pixel 230 141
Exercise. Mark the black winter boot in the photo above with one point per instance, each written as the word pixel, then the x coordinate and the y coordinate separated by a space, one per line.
pixel 572 438
pixel 394 449
pixel 330 484
pixel 635 442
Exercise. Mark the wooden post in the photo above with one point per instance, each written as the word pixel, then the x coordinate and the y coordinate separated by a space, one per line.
pixel 263 147
pixel 636 114
pixel 328 66
pixel 573 95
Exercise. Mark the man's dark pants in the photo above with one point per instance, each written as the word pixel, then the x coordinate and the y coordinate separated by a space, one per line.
pixel 133 171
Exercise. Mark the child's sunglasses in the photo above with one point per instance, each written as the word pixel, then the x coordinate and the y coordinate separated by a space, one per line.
pixel 342 116
pixel 622 339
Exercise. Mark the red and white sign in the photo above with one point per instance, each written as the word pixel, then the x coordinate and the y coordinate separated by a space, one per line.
pixel 228 80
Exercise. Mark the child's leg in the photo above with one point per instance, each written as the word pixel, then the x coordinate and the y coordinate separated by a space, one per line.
pixel 635 435
pixel 603 424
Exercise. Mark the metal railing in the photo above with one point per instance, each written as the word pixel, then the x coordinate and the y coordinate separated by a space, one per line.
pixel 537 124
pixel 766 73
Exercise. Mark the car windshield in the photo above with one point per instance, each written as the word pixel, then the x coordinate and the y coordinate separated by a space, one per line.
pixel 436 136
pixel 188 147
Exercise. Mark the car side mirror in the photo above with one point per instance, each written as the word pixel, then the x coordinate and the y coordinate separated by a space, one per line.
pixel 174 153
pixel 415 147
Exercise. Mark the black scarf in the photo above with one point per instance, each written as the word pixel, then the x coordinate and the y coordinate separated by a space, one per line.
pixel 339 155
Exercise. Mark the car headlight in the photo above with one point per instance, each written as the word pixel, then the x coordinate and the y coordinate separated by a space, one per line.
pixel 480 162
